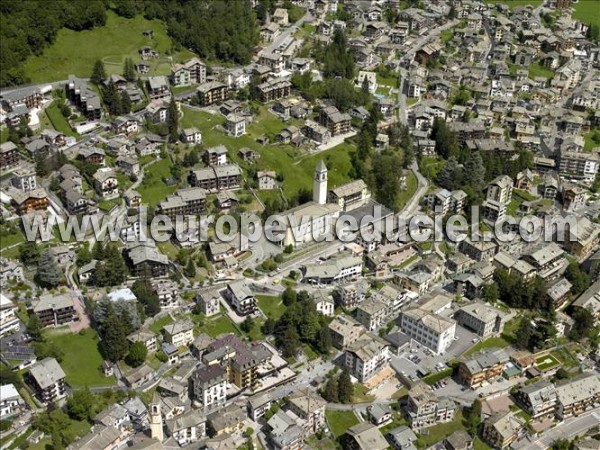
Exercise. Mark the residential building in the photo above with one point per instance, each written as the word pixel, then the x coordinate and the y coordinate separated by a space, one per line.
pixel 242 361
pixel 481 367
pixel 351 195
pixel 11 402
pixel 212 92
pixel 548 261
pixel 577 395
pixel 209 385
pixel 372 313
pixel 283 432
pixel 274 89
pixel 403 438
pixel 481 318
pixel 144 256
pixel 187 428
pixel 47 380
pixel 502 428
pixel 24 179
pixel 158 87
pixel 146 337
pixel 180 333
pixel 191 136
pixel 430 329
pixel 480 249
pixel 217 178
pixel 442 201
pixel 367 356
pixel 345 330
pixel 582 165
pixel 335 121
pixel 240 297
pixel 55 310
pixel 424 408
pixel 99 438
pixel 309 407
pixel 106 183
pixel 235 125
pixel 28 201
pixel 364 436
pixel 84 97
pixel 184 202
pixel 10 272
pixel 538 399
pixel 340 268
pixel 267 180
pixel 209 301
pixel 9 155
pixel 9 321
pixel 258 405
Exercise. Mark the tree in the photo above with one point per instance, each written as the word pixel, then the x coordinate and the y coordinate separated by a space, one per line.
pixel 137 354
pixel 129 70
pixel 84 255
pixel 114 341
pixel 29 253
pixel 268 327
pixel 445 140
pixel 146 295
pixel 247 324
pixel 524 333
pixel 330 392
pixel 577 277
pixel 387 168
pixel 490 292
pixel 49 273
pixel 473 417
pixel 583 323
pixel 345 387
pixel 290 342
pixel 80 406
pixel 324 343
pixel 9 377
pixel 173 121
pixel 34 328
pixel 475 172
pixel 562 444
pixel 289 296
pixel 338 60
pixel 98 72
pixel 190 269
pixel 451 175
pixel 44 349
pixel 125 103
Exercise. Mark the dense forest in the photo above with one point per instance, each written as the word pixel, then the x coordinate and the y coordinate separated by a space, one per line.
pixel 215 29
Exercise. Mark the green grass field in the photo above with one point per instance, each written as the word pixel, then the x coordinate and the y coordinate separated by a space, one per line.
pixel 537 70
pixel 153 190
pixel 411 187
pixel 74 52
pixel 547 362
pixel 514 3
pixel 587 11
pixel 439 432
pixel 270 305
pixel 160 323
pixel 221 325
pixel 296 169
pixel 58 121
pixel 82 360
pixel 340 421
pixel 11 239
